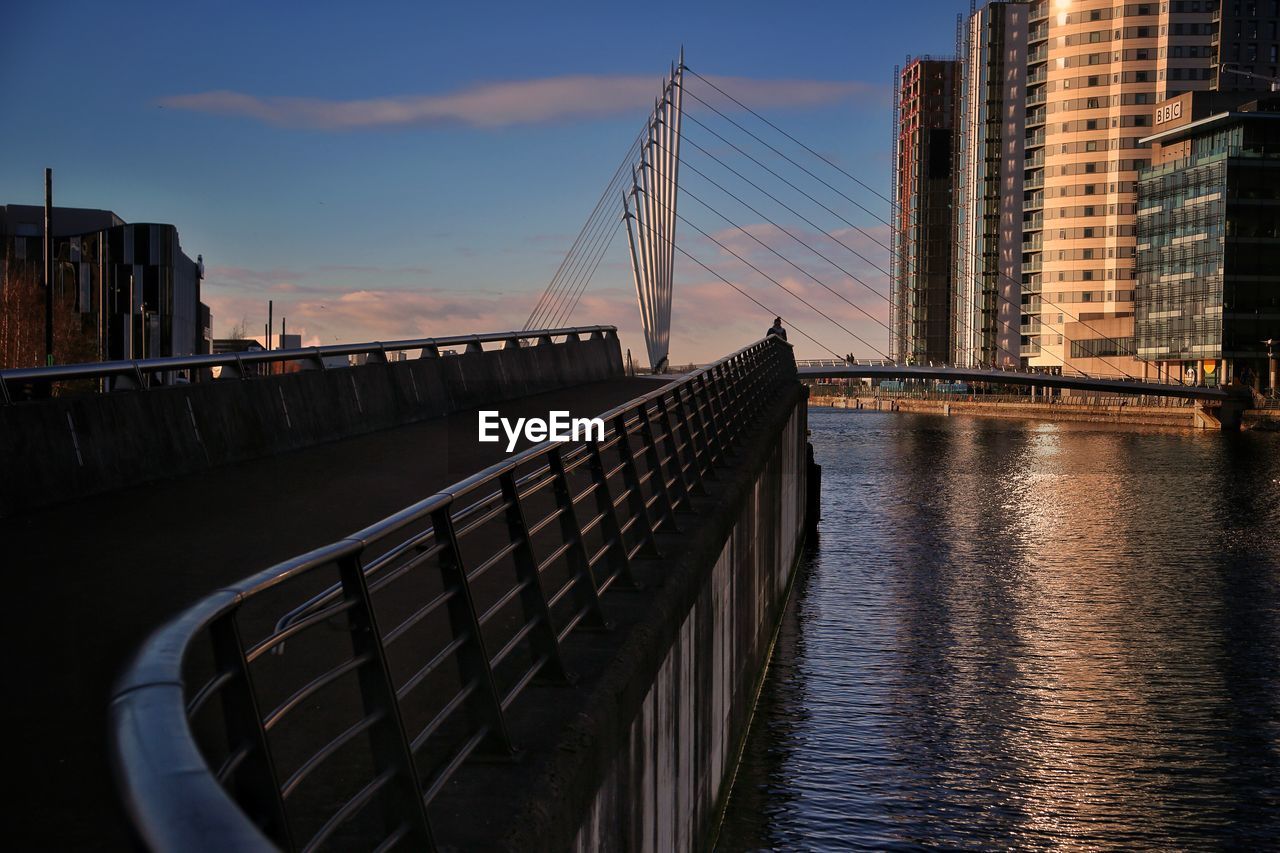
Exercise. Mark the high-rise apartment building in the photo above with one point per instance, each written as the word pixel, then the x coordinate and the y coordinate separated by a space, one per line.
pixel 1247 40
pixel 1095 69
pixel 988 195
pixel 922 264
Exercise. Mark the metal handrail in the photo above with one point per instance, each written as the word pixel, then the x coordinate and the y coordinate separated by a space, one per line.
pixel 133 371
pixel 656 452
pixel 884 362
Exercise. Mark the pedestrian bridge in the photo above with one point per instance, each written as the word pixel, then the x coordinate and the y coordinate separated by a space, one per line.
pixel 1226 404
pixel 368 630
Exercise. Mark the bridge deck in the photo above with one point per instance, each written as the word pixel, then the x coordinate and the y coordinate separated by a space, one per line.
pixel 882 370
pixel 93 578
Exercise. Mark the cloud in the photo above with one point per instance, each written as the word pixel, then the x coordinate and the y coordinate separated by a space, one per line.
pixel 494 105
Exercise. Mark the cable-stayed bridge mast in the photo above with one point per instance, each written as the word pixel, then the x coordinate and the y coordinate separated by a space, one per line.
pixel 650 218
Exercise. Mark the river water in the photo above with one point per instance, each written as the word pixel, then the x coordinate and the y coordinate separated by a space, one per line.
pixel 1025 635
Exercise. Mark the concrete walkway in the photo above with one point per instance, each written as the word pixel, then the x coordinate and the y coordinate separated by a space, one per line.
pixel 87 581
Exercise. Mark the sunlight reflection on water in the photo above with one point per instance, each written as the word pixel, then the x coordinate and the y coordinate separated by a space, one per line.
pixel 1030 635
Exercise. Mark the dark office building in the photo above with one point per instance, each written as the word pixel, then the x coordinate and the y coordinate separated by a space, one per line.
pixel 926 102
pixel 1247 41
pixel 1208 289
pixel 137 292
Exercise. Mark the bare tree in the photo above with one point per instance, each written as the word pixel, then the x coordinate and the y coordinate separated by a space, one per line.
pixel 22 321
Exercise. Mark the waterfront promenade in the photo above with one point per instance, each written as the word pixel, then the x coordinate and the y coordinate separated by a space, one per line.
pixel 1173 414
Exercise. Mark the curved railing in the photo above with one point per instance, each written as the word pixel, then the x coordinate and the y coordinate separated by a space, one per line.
pixel 329 699
pixel 138 373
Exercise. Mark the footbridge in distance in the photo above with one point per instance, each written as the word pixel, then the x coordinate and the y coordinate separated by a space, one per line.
pixel 1227 404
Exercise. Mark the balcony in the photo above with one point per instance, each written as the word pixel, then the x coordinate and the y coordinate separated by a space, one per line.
pixel 1040 75
pixel 1032 328
pixel 1034 182
pixel 1033 223
pixel 1032 266
pixel 1033 203
pixel 1035 160
pixel 1029 349
pixel 1035 244
pixel 1036 98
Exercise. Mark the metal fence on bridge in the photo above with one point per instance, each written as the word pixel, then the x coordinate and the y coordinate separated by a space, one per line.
pixel 330 699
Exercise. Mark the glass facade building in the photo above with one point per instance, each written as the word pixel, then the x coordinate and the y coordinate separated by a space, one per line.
pixel 137 292
pixel 1209 247
pixel 926 96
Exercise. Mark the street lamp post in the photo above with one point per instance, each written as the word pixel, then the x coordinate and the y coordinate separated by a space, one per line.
pixel 48 266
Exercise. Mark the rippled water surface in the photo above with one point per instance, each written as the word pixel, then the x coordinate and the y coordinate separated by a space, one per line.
pixel 1025 635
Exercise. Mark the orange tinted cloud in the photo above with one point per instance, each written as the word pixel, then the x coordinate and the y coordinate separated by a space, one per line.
pixel 494 105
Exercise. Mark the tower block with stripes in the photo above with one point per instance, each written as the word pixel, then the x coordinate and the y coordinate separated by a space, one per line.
pixel 649 212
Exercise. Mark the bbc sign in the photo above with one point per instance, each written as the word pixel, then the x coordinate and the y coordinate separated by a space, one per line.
pixel 1169 112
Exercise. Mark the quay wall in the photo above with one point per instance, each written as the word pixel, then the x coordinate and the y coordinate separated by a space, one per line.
pixel 1180 417
pixel 64 448
pixel 648 763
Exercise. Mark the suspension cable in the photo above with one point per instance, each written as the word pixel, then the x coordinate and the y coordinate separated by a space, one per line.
pixel 1005 323
pixel 778 284
pixel 550 294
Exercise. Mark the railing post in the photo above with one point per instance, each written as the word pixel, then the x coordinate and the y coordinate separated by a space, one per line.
pixel 621 563
pixel 673 446
pixel 657 475
pixel 631 479
pixel 534 599
pixel 256 787
pixel 726 391
pixel 485 705
pixel 705 414
pixel 691 446
pixel 391 750
pixel 586 590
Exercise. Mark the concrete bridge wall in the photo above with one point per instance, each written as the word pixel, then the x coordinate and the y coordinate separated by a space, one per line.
pixel 69 447
pixel 672 736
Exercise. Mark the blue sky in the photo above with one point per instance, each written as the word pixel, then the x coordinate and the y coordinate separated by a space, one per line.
pixel 420 168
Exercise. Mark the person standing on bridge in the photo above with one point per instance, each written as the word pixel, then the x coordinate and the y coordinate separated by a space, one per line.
pixel 776 329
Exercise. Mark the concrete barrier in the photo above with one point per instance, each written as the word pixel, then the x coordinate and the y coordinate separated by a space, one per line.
pixel 65 448
pixel 676 756
pixel 646 761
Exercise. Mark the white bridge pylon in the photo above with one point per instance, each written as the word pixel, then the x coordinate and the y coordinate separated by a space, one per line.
pixel 649 213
